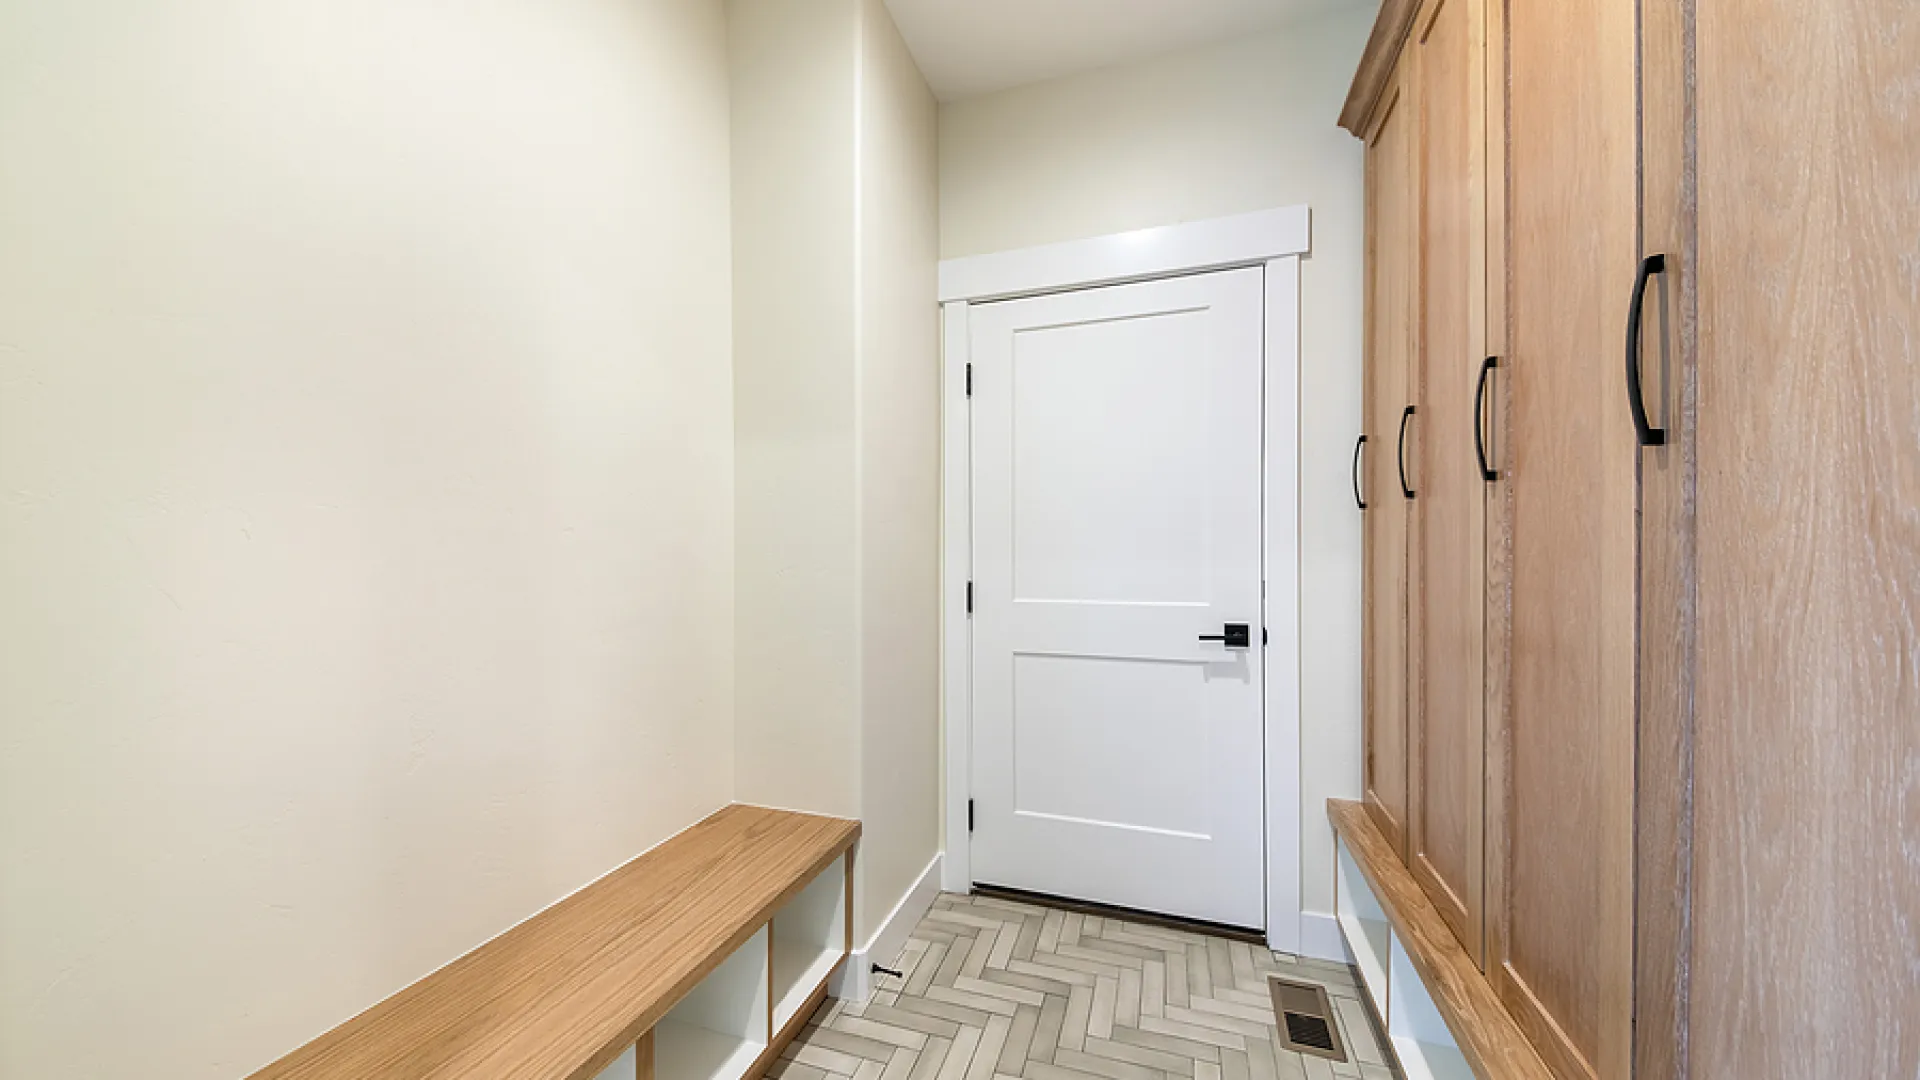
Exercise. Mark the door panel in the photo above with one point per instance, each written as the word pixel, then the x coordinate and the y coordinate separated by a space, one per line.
pixel 1806 828
pixel 1117 520
pixel 1391 266
pixel 1448 597
pixel 1562 949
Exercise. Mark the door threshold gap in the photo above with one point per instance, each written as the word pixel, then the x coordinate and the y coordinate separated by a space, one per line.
pixel 1114 911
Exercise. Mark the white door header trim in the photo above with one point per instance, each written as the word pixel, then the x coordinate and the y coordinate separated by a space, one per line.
pixel 1242 240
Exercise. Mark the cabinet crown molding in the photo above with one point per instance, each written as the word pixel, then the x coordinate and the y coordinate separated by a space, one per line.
pixel 1390 29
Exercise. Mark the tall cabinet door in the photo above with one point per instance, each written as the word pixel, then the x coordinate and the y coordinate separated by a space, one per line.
pixel 1805 430
pixel 1447 599
pixel 1561 860
pixel 1391 268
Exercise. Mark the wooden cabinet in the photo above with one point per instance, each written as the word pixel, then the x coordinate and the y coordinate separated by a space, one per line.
pixel 1644 706
pixel 1446 718
pixel 1779 652
pixel 1426 469
pixel 1392 262
pixel 1562 924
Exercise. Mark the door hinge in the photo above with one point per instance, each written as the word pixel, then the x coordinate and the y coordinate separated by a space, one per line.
pixel 969 380
pixel 969 597
pixel 969 815
pixel 1263 637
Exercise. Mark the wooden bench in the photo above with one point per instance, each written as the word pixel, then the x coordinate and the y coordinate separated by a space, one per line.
pixel 699 960
pixel 1440 1012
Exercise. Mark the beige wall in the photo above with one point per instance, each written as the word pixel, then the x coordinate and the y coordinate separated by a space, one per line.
pixel 837 413
pixel 366 497
pixel 899 405
pixel 796 605
pixel 1222 130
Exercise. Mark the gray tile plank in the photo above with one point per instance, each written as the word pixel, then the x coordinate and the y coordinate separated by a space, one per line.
pixel 927 1067
pixel 1046 1033
pixel 1030 982
pixel 1106 1000
pixel 893 1016
pixel 896 1035
pixel 1172 1044
pixel 960 1055
pixel 1153 989
pixel 859 1046
pixel 1073 1029
pixel 987 1055
pixel 1108 1067
pixel 1233 1065
pixel 945 1010
pixel 1013 1054
pixel 1127 1008
pixel 1223 1039
pixel 1175 1064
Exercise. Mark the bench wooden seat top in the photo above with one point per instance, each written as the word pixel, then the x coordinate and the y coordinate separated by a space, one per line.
pixel 562 995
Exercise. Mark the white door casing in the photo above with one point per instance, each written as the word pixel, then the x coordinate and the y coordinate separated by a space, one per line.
pixel 1273 240
pixel 1117 521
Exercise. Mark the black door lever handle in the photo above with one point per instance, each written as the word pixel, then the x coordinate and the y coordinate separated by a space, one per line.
pixel 1234 635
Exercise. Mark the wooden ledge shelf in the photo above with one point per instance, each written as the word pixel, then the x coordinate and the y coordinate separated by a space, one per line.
pixel 698 960
pixel 1441 1013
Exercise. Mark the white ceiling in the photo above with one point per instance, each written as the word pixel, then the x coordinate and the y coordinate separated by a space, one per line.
pixel 969 47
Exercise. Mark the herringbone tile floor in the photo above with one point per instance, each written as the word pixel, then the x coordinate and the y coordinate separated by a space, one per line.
pixel 995 990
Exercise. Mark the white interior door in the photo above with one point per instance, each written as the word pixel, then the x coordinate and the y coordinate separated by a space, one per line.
pixel 1117 755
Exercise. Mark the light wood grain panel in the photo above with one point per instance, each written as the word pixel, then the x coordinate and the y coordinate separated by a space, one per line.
pixel 1391 265
pixel 1374 80
pixel 1499 550
pixel 560 996
pixel 643 1057
pixel 1488 1038
pixel 1414 427
pixel 1446 804
pixel 1664 750
pixel 1563 957
pixel 1806 843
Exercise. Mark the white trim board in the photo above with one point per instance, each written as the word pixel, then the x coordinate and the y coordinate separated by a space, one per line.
pixel 1273 239
pixel 855 981
pixel 1215 244
pixel 1281 572
pixel 1322 939
pixel 956 567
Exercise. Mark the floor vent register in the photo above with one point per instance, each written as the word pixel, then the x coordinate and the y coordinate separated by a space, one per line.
pixel 1305 1017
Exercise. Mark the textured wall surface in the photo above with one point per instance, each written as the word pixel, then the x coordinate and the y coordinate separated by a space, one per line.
pixel 365 497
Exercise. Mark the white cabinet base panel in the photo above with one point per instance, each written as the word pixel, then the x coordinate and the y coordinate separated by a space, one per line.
pixel 798 970
pixel 688 1052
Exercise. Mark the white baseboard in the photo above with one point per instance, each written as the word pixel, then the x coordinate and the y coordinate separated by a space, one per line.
pixel 1321 939
pixel 855 981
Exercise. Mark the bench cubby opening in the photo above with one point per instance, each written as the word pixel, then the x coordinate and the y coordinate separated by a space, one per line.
pixel 809 941
pixel 1365 925
pixel 1421 1041
pixel 719 1030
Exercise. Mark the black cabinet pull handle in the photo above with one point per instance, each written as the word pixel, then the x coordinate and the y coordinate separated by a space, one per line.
pixel 1479 425
pixel 1357 499
pixel 1401 454
pixel 1647 433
